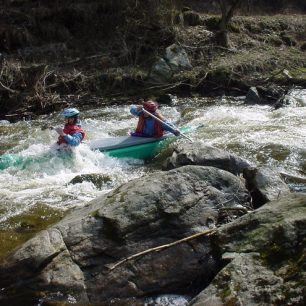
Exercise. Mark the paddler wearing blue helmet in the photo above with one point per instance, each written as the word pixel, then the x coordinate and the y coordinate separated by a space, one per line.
pixel 72 134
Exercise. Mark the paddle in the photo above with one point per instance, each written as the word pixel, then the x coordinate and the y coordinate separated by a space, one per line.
pixel 172 127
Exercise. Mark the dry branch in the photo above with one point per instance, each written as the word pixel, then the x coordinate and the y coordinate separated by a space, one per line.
pixel 161 247
pixel 8 89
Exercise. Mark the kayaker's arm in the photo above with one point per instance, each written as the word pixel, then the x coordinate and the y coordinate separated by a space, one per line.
pixel 73 140
pixel 167 126
pixel 136 110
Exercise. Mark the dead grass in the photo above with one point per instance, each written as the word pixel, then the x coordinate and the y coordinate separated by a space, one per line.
pixel 261 46
pixel 70 62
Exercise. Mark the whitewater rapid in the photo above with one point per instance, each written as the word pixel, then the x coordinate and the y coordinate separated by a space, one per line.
pixel 260 134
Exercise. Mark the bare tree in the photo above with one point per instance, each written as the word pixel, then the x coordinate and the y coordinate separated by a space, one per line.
pixel 227 8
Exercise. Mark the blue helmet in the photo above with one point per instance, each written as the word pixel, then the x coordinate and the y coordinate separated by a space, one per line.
pixel 70 112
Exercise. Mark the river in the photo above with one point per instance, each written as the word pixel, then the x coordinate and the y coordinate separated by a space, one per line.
pixel 39 195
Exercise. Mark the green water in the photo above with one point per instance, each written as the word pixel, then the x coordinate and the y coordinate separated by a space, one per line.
pixel 21 227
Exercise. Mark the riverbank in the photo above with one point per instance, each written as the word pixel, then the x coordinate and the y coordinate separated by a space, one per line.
pixel 49 62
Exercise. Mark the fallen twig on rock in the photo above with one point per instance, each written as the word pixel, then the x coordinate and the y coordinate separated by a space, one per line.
pixel 159 248
pixel 243 209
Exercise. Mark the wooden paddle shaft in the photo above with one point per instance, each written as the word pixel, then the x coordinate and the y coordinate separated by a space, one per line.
pixel 172 127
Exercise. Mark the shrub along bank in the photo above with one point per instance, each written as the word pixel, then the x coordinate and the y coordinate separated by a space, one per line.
pixel 98 53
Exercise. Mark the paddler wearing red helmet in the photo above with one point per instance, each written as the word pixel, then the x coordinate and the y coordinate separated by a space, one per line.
pixel 148 126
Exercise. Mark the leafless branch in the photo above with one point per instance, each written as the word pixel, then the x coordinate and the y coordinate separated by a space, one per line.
pixel 8 89
pixel 161 247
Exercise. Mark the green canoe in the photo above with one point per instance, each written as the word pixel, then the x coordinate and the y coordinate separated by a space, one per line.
pixel 9 160
pixel 21 161
pixel 144 148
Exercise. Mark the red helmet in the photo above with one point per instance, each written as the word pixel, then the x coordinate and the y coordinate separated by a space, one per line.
pixel 150 106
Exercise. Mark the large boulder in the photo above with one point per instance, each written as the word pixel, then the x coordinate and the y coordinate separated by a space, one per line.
pixel 264 184
pixel 75 259
pixel 174 61
pixel 264 257
pixel 177 58
pixel 161 72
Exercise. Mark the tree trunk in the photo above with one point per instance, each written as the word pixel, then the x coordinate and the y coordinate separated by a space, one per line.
pixel 227 8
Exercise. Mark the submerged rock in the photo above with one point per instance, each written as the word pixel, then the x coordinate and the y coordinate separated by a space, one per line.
pixel 99 180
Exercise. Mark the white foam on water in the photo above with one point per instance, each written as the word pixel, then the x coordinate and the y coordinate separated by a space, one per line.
pixel 47 181
pixel 260 134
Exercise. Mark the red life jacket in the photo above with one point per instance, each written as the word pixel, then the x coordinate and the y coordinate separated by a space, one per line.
pixel 158 131
pixel 70 129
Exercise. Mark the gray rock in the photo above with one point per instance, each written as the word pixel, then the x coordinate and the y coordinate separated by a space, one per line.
pixel 174 61
pixel 160 71
pixel 99 180
pixel 252 96
pixel 264 257
pixel 197 153
pixel 177 58
pixel 244 281
pixel 144 213
pixel 46 253
pixel 264 185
